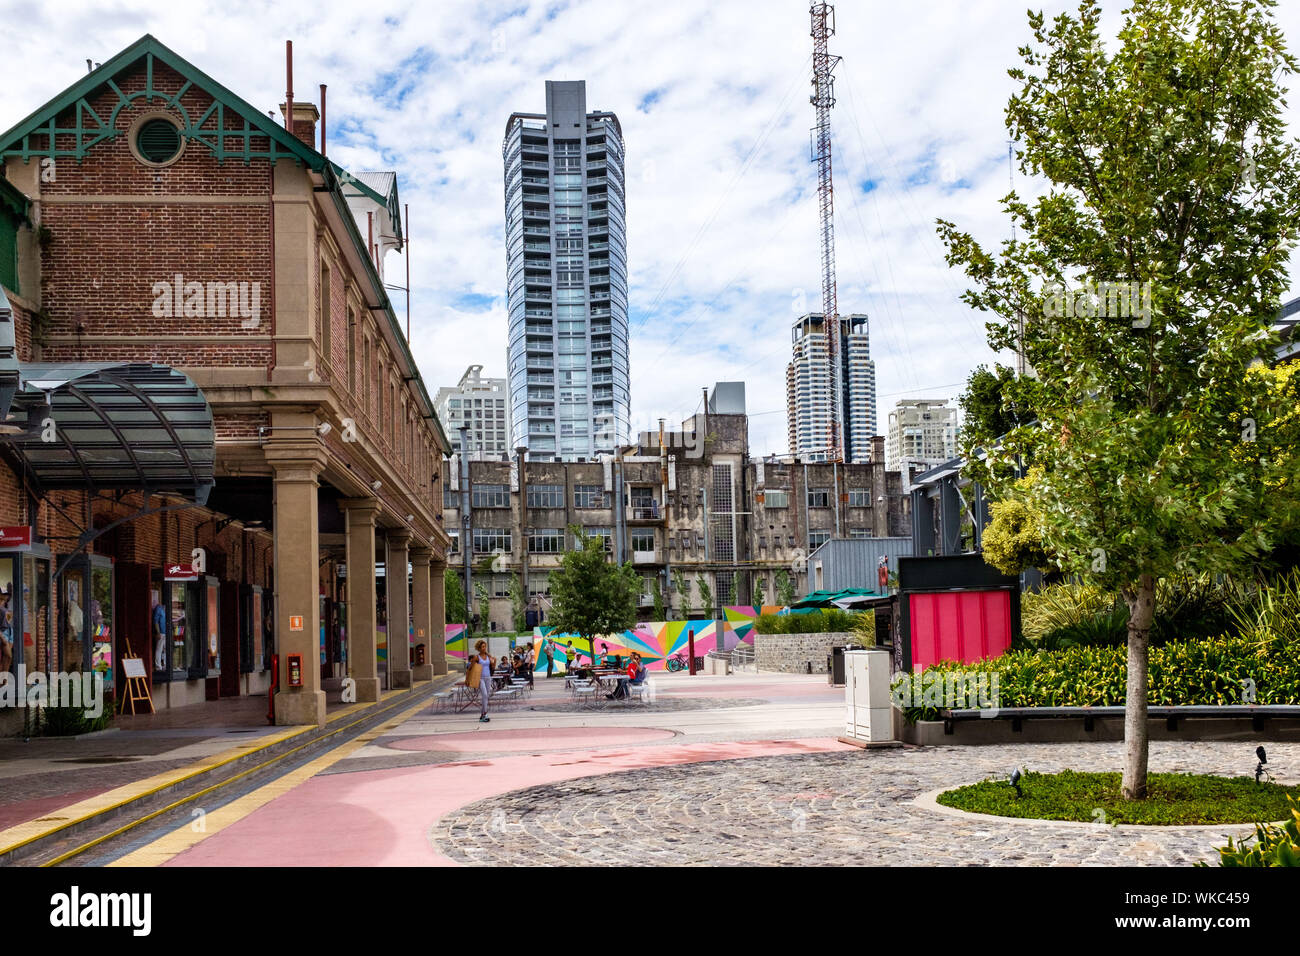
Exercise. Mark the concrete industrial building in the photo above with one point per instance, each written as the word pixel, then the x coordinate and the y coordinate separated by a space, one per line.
pixel 482 406
pixel 246 445
pixel 693 503
pixel 922 431
pixel 808 389
pixel 566 278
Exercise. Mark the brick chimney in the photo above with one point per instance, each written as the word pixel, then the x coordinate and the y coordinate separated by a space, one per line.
pixel 878 448
pixel 305 116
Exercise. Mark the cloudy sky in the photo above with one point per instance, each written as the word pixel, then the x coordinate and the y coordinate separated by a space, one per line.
pixel 713 99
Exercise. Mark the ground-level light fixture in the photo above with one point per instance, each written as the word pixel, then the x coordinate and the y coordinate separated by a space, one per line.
pixel 1014 780
pixel 1259 767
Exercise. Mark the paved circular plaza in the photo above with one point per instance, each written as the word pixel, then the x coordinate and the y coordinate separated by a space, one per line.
pixel 843 808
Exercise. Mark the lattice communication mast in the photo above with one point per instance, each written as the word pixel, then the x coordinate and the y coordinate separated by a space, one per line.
pixel 823 98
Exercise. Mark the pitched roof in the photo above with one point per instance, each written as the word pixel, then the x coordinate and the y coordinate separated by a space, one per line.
pixel 90 129
pixel 210 130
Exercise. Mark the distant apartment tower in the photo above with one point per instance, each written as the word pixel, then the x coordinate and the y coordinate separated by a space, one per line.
pixel 481 405
pixel 808 389
pixel 921 430
pixel 566 274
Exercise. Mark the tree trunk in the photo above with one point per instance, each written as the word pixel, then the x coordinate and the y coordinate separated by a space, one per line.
pixel 1141 607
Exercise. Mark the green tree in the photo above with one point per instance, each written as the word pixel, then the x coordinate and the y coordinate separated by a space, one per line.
pixel 517 603
pixel 683 587
pixel 454 598
pixel 1013 540
pixel 783 587
pixel 484 606
pixel 992 405
pixel 706 596
pixel 591 596
pixel 658 594
pixel 1170 180
pixel 759 596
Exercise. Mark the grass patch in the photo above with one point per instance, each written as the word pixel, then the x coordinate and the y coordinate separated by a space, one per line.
pixel 1173 798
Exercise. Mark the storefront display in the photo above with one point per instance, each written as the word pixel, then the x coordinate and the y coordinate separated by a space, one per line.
pixel 101 619
pixel 25 625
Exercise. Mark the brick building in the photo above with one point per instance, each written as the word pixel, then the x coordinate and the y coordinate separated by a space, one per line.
pixel 152 223
pixel 686 504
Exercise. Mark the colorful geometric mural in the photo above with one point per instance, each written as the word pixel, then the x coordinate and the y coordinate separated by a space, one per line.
pixel 456 641
pixel 655 641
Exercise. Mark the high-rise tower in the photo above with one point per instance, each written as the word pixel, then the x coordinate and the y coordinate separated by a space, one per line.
pixel 566 273
pixel 810 389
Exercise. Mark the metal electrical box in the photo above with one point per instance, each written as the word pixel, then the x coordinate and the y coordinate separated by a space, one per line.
pixel 866 695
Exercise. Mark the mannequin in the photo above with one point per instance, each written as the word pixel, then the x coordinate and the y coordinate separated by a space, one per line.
pixel 159 617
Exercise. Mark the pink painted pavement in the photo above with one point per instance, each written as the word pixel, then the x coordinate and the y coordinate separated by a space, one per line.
pixel 383 817
pixel 542 738
pixel 22 811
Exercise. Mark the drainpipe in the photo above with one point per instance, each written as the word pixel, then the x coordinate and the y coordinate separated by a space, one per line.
pixel 835 483
pixel 466 526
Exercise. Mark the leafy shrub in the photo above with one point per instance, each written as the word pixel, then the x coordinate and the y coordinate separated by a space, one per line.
pixel 1061 606
pixel 817 622
pixel 69 721
pixel 1274 845
pixel 1078 614
pixel 1013 539
pixel 1273 614
pixel 1206 671
pixel 1195 607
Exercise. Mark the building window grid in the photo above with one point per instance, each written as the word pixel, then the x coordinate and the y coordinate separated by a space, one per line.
pixel 490 496
pixel 589 496
pixel 545 541
pixel 491 540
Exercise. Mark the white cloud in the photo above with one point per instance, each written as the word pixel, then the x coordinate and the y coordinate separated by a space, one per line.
pixel 721 214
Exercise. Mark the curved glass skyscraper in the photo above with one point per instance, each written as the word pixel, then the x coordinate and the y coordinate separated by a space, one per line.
pixel 566 275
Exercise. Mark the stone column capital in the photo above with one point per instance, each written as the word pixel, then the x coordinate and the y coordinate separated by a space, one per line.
pixel 294 464
pixel 360 510
pixel 400 538
pixel 421 556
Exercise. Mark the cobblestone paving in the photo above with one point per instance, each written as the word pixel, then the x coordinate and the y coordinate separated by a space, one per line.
pixel 850 808
pixel 661 704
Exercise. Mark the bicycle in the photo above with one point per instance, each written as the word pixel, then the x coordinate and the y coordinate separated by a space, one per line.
pixel 678 662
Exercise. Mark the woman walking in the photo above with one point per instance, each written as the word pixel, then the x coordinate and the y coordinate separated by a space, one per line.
pixel 480 666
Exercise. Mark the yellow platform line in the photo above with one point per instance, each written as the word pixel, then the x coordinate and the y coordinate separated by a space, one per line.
pixel 185 837
pixel 21 834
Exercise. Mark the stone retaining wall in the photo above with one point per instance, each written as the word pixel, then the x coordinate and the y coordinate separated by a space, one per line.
pixel 790 653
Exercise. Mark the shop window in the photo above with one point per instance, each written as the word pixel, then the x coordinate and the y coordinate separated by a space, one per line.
pixel 25 621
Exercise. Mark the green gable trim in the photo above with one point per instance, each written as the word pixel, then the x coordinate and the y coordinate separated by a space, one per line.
pixel 89 129
pixel 14 202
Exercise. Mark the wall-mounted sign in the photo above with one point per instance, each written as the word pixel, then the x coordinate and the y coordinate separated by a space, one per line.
pixel 15 537
pixel 295 622
pixel 180 572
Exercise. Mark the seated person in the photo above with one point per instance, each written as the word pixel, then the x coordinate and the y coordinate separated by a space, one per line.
pixel 636 674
